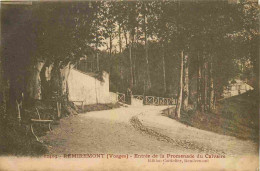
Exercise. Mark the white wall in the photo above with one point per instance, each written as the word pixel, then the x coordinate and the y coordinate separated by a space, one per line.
pixel 113 97
pixel 235 90
pixel 83 87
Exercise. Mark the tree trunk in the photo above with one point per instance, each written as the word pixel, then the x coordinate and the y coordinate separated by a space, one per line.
pixel 126 40
pixel 55 90
pixel 186 84
pixel 134 68
pixel 120 52
pixel 34 86
pixel 45 80
pixel 205 86
pixel 2 105
pixel 131 66
pixel 59 82
pixel 97 42
pixel 119 38
pixel 147 55
pixel 179 103
pixel 164 76
pixel 211 93
pixel 64 74
pixel 3 98
pixel 110 45
pixel 110 53
pixel 97 57
pixel 198 83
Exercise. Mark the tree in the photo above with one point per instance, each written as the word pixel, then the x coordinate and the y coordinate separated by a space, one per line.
pixel 16 50
pixel 67 39
pixel 144 13
pixel 246 35
pixel 179 102
pixel 97 28
pixel 49 39
pixel 150 35
pixel 186 84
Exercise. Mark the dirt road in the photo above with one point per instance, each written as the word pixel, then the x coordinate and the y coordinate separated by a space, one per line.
pixel 141 130
pixel 107 131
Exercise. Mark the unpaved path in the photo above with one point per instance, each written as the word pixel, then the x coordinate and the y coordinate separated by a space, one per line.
pixel 194 138
pixel 141 130
pixel 105 132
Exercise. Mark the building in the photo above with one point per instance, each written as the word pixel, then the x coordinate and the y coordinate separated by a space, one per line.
pixel 236 87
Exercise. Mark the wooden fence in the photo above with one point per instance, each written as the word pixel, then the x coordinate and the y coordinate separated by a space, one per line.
pixel 149 100
pixel 121 97
pixel 139 97
pixel 152 100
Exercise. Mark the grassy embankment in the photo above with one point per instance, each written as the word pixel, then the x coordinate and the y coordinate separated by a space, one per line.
pixel 236 116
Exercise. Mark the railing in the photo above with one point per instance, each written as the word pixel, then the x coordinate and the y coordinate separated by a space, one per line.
pixel 148 100
pixel 152 100
pixel 121 97
pixel 139 97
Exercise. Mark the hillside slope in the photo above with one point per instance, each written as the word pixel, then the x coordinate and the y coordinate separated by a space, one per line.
pixel 236 116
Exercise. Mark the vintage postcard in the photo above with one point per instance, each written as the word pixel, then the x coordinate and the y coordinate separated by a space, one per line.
pixel 129 85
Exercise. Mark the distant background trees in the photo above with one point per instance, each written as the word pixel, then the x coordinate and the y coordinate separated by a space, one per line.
pixel 138 42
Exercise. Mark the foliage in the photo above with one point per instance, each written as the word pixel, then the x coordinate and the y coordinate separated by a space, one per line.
pixel 62 33
pixel 224 35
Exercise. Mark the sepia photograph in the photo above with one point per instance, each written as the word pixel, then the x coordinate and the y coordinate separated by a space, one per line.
pixel 129 85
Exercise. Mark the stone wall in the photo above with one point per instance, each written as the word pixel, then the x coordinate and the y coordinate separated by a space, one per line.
pixel 84 87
